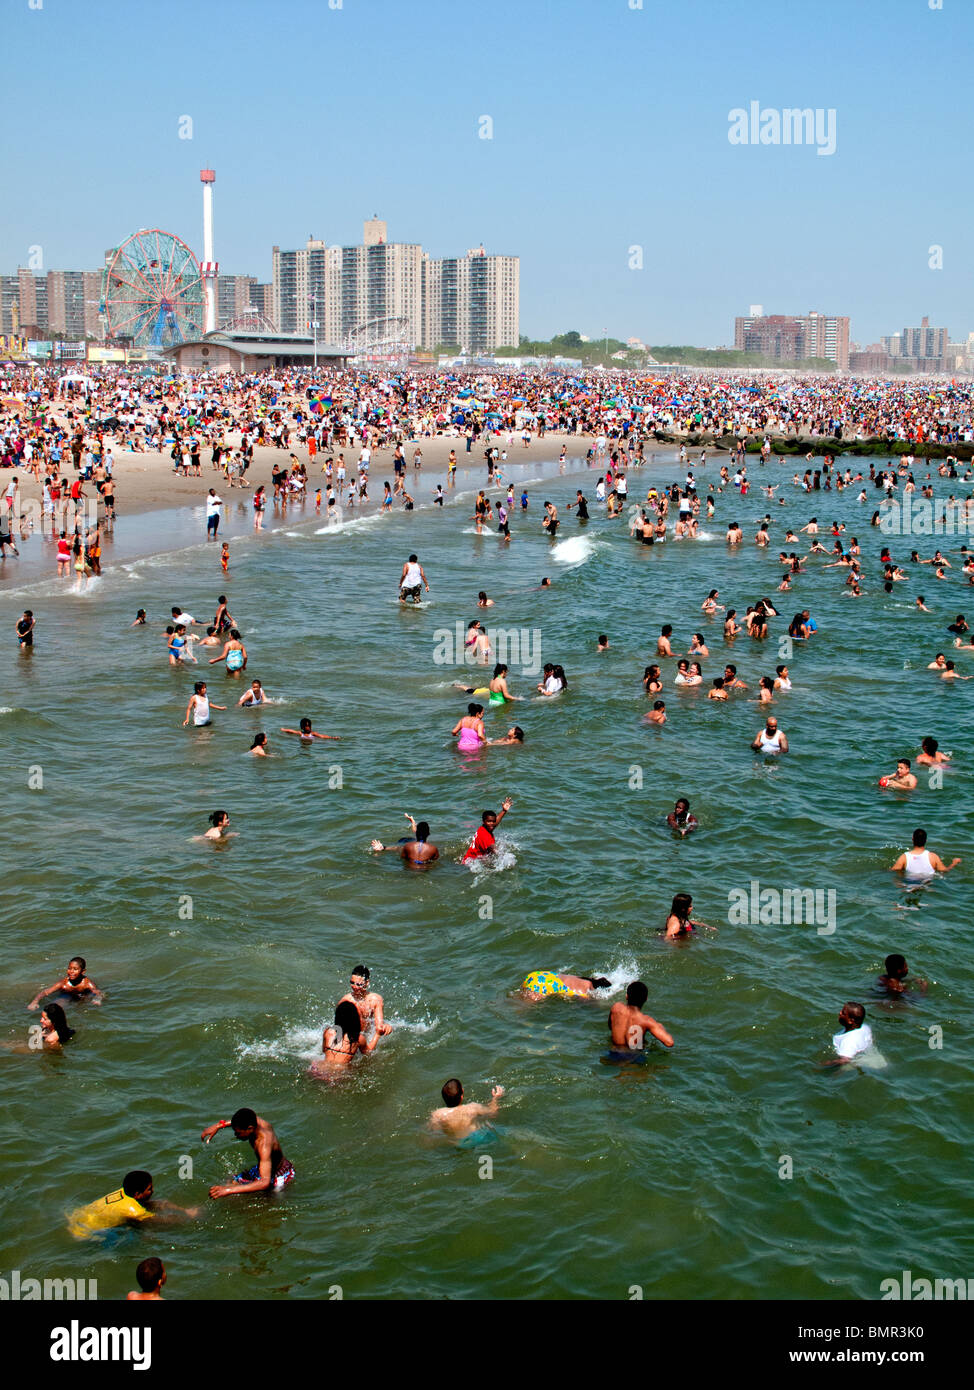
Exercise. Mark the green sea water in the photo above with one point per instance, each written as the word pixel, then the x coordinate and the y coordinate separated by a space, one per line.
pixel 220 966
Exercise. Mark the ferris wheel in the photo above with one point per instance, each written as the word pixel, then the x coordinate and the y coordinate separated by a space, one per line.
pixel 153 290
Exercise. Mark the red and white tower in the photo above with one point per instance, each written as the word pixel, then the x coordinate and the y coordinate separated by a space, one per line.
pixel 209 267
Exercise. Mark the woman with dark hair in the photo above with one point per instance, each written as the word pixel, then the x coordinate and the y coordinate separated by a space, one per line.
pixel 471 730
pixel 679 922
pixel 259 746
pixel 342 1039
pixel 514 735
pixel 54 1026
pixel 765 690
pixel 652 682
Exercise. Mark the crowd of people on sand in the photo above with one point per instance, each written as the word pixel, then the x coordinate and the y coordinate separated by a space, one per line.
pixel 52 437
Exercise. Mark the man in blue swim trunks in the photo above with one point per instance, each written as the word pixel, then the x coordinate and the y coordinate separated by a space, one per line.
pixel 270 1173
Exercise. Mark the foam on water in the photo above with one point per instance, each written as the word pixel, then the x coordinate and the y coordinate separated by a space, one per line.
pixel 574 550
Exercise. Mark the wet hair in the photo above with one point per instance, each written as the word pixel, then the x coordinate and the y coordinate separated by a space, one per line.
pixel 474 708
pixel 210 630
pixel 681 905
pixel 58 1022
pixel 244 1118
pixel 856 1013
pixel 422 829
pixel 234 633
pixel 135 1182
pixel 518 733
pixel 140 613
pixel 452 1093
pixel 259 740
pixel 198 686
pixel 364 971
pixel 79 960
pixel 500 668
pixel 766 682
pixel 666 629
pixel 413 559
pixel 559 671
pixel 779 669
pixel 217 816
pixel 637 994
pixel 894 964
pixel 658 704
pixel 482 594
pixel 348 1020
pixel 919 838
pixel 148 1275
pixel 928 744
pixel 221 598
pixel 718 682
pixel 304 724
pixel 599 982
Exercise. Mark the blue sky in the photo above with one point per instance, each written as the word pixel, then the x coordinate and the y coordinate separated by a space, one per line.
pixel 610 130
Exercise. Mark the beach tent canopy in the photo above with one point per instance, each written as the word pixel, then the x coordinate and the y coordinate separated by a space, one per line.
pixel 75 379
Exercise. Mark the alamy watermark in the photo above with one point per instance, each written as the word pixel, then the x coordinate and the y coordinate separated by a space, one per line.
pixel 15 1288
pixel 923 517
pixel 512 646
pixel 791 125
pixel 755 906
pixel 907 1288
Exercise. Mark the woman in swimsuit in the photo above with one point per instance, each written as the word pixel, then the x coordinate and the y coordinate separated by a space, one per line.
pixel 765 690
pixel 258 748
pixel 306 734
pixel 710 604
pixel 234 653
pixel 652 683
pixel 471 730
pixel 679 922
pixel 513 736
pixel 54 1027
pixel 341 1040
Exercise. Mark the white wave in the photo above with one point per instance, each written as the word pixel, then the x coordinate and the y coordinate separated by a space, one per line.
pixel 502 858
pixel 296 1042
pixel 574 551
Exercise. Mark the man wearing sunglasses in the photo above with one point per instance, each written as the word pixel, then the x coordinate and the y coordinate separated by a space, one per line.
pixel 368 1004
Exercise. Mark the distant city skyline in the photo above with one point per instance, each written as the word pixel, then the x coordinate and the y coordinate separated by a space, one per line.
pixel 632 209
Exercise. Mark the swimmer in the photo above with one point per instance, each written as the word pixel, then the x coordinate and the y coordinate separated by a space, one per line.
pixel 271 1171
pixel 514 735
pixel 258 749
pixel 412 578
pixel 75 984
pixel 717 691
pixel 950 673
pixel 555 680
pixel 628 1025
pixel 54 1029
pixel 341 1040
pixel 306 734
pixel 765 690
pixel 415 851
pixel 603 643
pixel 895 981
pixel 140 619
pixel 483 601
pixel 679 921
pixel 128 1203
pixel 856 1036
pixel 919 863
pixel 150 1275
pixel 546 982
pixel 681 818
pixel 484 842
pixel 652 682
pixel 710 604
pixel 782 680
pixel 902 780
pixel 219 826
pixel 657 715
pixel 770 739
pixel 470 728
pixel 457 1117
pixel 698 646
pixel 256 695
pixel 931 754
pixel 938 663
pixel 234 653
pixel 731 626
pixel 199 707
pixel 663 647
pixel 731 681
pixel 368 1003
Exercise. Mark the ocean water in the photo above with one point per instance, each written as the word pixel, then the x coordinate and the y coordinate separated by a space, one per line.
pixel 220 965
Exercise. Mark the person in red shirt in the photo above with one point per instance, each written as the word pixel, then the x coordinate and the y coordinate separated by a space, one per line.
pixel 483 841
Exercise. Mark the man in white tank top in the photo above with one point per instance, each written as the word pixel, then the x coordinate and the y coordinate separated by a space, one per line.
pixel 920 863
pixel 770 739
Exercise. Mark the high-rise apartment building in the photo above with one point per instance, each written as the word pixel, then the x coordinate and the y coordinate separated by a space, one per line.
pixel 9 304
pixel 471 302
pixel 923 342
pixel 792 338
pixel 236 297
